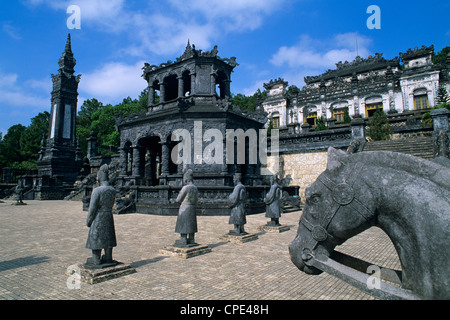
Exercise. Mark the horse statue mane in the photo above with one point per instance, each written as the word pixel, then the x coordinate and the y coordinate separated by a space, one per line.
pixel 406 196
pixel 423 168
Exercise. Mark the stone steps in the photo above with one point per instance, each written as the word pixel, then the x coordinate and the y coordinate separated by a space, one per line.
pixel 420 147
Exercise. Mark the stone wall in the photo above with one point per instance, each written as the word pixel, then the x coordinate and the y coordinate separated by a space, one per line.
pixel 300 168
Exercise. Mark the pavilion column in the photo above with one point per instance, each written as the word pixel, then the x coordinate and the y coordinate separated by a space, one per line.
pixel 165 158
pixel 192 83
pixel 162 92
pixel 213 83
pixel 136 167
pixel 225 164
pixel 123 161
pixel 180 87
pixel 227 89
pixel 151 96
pixel 149 167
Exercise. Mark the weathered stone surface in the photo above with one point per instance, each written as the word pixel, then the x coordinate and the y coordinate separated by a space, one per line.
pixel 185 251
pixel 194 99
pixel 406 196
pixel 274 229
pixel 102 234
pixel 301 168
pixel 93 275
pixel 239 238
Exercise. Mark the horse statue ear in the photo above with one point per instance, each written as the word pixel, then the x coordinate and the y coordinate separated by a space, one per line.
pixel 336 158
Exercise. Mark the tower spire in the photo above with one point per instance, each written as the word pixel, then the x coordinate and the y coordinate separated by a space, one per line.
pixel 68 45
pixel 67 62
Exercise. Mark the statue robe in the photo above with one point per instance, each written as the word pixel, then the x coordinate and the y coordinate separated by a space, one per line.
pixel 238 199
pixel 100 219
pixel 187 217
pixel 273 201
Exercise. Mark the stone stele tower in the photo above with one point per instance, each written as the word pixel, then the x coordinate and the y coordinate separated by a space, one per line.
pixel 60 157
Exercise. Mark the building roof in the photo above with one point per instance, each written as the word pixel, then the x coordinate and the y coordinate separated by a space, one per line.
pixel 416 53
pixel 359 65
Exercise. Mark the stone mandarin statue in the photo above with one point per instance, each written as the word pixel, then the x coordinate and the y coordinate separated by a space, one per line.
pixel 100 220
pixel 19 191
pixel 238 199
pixel 187 218
pixel 273 202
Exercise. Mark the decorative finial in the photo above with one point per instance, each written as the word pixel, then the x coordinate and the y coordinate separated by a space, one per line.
pixel 68 44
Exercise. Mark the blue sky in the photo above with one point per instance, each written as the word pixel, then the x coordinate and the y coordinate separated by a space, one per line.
pixel 270 38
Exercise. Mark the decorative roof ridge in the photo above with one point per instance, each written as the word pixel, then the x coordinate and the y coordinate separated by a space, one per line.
pixel 273 82
pixel 349 68
pixel 191 52
pixel 416 52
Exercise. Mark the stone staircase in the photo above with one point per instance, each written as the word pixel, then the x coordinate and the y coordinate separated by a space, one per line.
pixel 420 147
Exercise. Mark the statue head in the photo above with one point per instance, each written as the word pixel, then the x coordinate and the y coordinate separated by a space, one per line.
pixel 187 177
pixel 237 178
pixel 273 179
pixel 102 174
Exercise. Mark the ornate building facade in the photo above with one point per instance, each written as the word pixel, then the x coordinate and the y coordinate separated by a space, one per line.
pixel 359 88
pixel 194 94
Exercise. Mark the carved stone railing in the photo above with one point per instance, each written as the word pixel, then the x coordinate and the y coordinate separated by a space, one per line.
pixel 339 135
pixel 10 175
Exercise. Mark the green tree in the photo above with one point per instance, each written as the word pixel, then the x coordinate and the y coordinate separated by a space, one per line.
pixel 87 109
pixel 143 100
pixel 84 121
pixel 101 119
pixel 442 95
pixel 10 149
pixel 248 102
pixel 443 101
pixel 320 124
pixel 292 90
pixel 269 127
pixel 441 57
pixel 31 138
pixel 347 118
pixel 379 127
pixel 244 102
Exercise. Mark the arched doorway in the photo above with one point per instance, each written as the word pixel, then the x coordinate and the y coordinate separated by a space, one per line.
pixel 150 160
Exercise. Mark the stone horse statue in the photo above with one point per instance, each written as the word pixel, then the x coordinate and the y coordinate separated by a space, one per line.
pixel 405 196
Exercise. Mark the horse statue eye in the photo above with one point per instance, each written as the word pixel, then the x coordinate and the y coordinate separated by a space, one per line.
pixel 315 199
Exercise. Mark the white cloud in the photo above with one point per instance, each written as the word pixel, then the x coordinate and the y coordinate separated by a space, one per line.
pixel 90 9
pixel 164 35
pixel 163 28
pixel 113 82
pixel 11 30
pixel 311 53
pixel 109 14
pixel 23 101
pixel 236 15
pixel 249 91
pixel 8 80
pixel 44 85
pixel 13 93
pixel 311 56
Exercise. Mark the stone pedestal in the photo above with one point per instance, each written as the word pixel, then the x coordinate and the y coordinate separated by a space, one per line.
pixel 185 251
pixel 93 274
pixel 18 204
pixel 274 228
pixel 239 237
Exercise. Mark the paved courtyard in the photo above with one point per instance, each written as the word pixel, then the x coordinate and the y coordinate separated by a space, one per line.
pixel 39 241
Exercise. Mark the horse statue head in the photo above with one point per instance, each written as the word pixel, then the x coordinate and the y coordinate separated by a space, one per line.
pixel 407 197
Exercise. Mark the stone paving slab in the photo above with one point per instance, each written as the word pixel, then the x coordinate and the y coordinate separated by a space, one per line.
pixel 40 241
